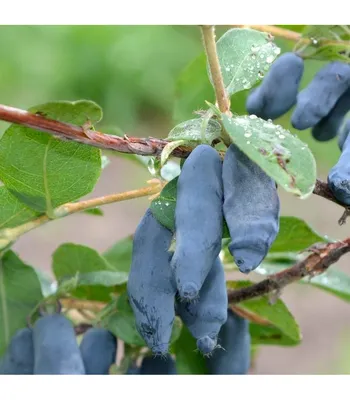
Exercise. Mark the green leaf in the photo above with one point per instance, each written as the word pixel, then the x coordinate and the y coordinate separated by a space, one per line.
pixel 20 292
pixel 48 172
pixel 279 153
pixel 188 360
pixel 104 278
pixel 333 280
pixel 69 259
pixel 13 212
pixel 244 55
pixel 118 317
pixel 122 325
pixel 294 235
pixel 319 47
pixel 94 211
pixel 191 131
pixel 277 316
pixel 119 255
pixel 163 207
pixel 192 89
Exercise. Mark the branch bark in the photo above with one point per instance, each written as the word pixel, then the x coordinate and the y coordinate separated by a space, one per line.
pixel 133 145
pixel 320 259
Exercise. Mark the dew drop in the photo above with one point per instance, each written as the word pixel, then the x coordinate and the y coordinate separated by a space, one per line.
pixel 281 136
pixel 269 59
pixel 228 69
pixel 248 142
pixel 277 51
pixel 151 167
pixel 248 134
pixel 253 116
pixel 260 75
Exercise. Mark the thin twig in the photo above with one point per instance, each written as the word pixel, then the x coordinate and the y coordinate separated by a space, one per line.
pixel 208 34
pixel 275 31
pixel 288 34
pixel 315 264
pixel 11 234
pixel 91 305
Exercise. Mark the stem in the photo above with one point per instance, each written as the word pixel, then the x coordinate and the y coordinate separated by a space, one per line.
pixel 223 101
pixel 275 31
pixel 286 34
pixel 142 146
pixel 320 259
pixel 208 34
pixel 70 208
pixel 91 305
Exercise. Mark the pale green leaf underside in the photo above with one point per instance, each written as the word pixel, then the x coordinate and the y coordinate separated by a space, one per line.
pixel 282 155
pixel 245 55
pixel 192 131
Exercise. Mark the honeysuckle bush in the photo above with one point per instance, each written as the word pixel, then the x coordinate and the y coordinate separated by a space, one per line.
pixel 43 176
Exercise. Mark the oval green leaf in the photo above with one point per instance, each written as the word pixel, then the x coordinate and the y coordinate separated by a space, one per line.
pixel 70 259
pixel 245 55
pixel 295 235
pixel 280 154
pixel 277 316
pixel 13 212
pixel 20 292
pixel 192 131
pixel 43 171
pixel 163 207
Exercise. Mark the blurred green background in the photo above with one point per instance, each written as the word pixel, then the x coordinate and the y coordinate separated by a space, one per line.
pixel 131 72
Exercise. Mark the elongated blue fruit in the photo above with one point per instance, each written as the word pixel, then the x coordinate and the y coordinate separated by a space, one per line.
pixel 279 89
pixel 233 355
pixel 198 220
pixel 329 126
pixel 205 316
pixel 56 351
pixel 151 286
pixel 343 134
pixel 19 356
pixel 317 100
pixel 98 350
pixel 251 209
pixel 339 175
pixel 158 366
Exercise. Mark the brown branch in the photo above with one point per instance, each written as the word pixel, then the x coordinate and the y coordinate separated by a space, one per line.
pixel 142 146
pixel 132 145
pixel 315 264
